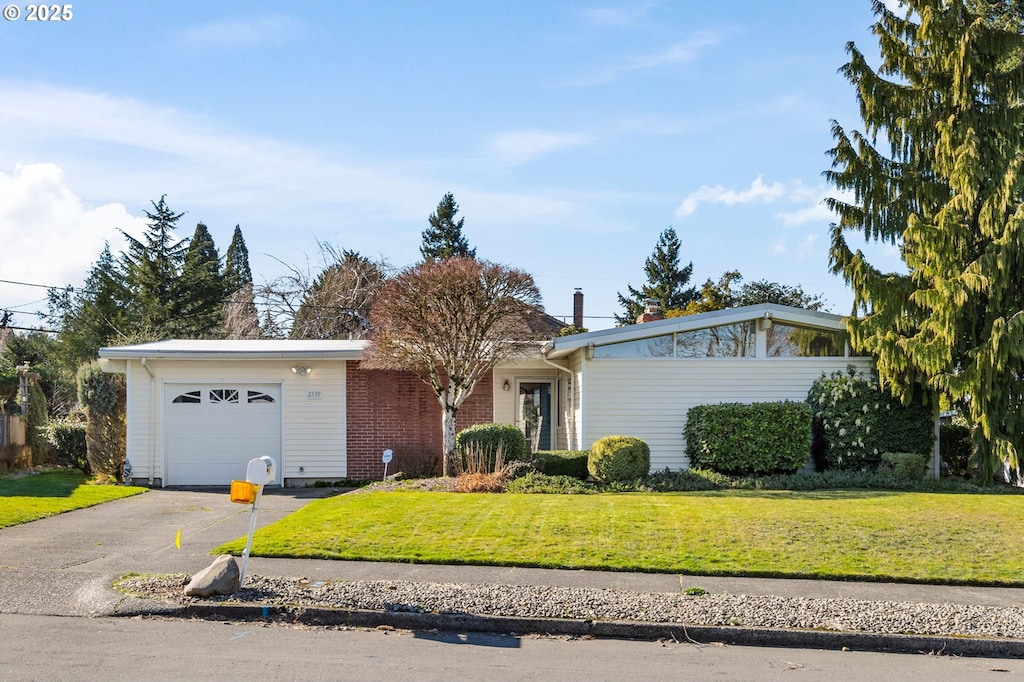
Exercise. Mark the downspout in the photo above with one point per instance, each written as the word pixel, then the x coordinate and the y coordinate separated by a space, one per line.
pixel 570 423
pixel 152 419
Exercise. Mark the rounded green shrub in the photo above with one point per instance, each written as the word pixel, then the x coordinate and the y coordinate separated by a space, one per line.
pixel 619 458
pixel 910 466
pixel 67 438
pixel 488 448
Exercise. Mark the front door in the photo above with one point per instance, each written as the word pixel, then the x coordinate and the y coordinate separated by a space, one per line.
pixel 534 414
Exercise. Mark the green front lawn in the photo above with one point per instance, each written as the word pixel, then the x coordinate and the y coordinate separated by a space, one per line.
pixel 864 535
pixel 32 497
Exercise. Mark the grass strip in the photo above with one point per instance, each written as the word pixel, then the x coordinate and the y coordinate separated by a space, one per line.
pixel 840 535
pixel 36 496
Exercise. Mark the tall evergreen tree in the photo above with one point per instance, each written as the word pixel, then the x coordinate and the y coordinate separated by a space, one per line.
pixel 241 318
pixel 444 238
pixel 236 262
pixel 937 172
pixel 201 288
pixel 666 281
pixel 152 266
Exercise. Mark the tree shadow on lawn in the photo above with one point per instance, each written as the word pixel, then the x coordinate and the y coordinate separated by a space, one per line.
pixel 45 484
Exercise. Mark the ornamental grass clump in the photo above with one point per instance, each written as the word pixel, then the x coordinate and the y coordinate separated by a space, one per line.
pixel 619 459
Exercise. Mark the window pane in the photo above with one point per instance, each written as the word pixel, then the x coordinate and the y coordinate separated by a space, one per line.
pixel 260 397
pixel 224 395
pixel 726 341
pixel 189 397
pixel 787 341
pixel 656 347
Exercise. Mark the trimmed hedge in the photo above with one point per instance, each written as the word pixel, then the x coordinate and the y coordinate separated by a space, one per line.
pixel 859 421
pixel 619 458
pixel 749 439
pixel 564 462
pixel 904 465
pixel 487 437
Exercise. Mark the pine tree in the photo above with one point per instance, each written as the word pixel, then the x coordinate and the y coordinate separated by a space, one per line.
pixel 152 266
pixel 201 288
pixel 666 281
pixel 444 238
pixel 937 172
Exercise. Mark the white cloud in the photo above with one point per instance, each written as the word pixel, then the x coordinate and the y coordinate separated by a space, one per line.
pixel 516 147
pixel 683 52
pixel 758 192
pixel 268 29
pixel 619 16
pixel 806 248
pixel 50 236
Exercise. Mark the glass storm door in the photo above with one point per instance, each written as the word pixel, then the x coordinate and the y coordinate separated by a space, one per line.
pixel 534 414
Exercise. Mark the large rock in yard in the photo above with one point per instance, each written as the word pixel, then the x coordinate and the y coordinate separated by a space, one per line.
pixel 220 577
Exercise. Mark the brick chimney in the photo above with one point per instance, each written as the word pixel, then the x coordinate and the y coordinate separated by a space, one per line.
pixel 577 309
pixel 652 312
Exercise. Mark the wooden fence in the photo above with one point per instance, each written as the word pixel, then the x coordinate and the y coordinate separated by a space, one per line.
pixel 14 452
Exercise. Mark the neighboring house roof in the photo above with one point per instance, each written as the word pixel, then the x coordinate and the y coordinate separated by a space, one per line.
pixel 237 349
pixel 563 346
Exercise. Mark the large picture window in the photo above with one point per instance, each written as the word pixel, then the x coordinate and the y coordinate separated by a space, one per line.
pixel 788 341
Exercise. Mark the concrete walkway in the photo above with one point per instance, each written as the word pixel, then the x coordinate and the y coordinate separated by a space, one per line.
pixel 64 565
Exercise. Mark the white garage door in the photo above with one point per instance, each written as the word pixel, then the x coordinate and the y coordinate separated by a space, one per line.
pixel 212 431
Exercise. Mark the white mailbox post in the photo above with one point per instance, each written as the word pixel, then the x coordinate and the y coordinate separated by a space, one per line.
pixel 260 471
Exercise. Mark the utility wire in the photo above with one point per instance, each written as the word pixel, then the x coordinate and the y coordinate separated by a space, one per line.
pixel 30 284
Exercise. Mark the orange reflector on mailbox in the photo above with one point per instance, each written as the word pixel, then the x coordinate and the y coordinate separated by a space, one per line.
pixel 243 492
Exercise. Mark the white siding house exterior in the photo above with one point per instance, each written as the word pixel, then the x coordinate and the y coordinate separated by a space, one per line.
pixel 638 380
pixel 198 410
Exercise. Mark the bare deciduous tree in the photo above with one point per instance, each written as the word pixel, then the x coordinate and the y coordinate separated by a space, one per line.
pixel 450 322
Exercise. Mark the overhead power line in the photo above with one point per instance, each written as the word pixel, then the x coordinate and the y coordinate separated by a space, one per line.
pixel 30 284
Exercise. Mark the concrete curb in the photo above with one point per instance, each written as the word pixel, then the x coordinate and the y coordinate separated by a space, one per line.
pixel 695 634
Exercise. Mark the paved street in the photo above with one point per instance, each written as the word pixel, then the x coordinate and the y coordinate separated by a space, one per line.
pixel 117 649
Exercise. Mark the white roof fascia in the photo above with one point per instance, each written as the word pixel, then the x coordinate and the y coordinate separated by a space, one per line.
pixel 236 350
pixel 562 346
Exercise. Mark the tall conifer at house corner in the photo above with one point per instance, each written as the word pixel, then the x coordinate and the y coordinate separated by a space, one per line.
pixel 936 172
pixel 444 238
pixel 666 281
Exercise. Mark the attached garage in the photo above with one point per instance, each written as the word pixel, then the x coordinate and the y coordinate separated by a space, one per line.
pixel 213 430
pixel 199 410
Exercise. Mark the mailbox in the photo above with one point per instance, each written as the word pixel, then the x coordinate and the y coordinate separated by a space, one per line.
pixel 261 470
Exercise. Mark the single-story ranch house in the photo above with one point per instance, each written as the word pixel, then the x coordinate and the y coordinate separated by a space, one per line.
pixel 198 411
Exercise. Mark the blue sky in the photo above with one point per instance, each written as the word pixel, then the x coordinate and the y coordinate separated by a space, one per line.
pixel 571 134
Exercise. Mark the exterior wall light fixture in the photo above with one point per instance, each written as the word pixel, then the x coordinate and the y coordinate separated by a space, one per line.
pixel 301 370
pixel 506 386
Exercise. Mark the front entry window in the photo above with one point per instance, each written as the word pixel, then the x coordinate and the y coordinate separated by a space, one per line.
pixel 534 414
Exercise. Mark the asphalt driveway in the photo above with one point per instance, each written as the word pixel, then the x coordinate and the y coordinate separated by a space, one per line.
pixel 64 564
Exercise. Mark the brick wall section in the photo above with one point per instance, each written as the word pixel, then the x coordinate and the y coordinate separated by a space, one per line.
pixel 396 410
